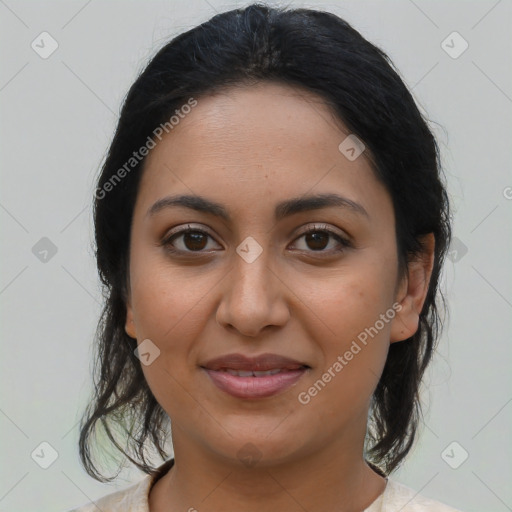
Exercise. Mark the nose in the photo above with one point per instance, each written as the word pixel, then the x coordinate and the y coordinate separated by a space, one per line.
pixel 253 298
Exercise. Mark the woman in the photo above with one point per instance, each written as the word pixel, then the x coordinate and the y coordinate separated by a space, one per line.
pixel 271 224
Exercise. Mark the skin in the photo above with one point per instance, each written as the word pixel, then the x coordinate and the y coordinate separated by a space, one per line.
pixel 248 149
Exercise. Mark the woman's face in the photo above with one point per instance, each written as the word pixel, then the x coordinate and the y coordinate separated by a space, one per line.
pixel 247 280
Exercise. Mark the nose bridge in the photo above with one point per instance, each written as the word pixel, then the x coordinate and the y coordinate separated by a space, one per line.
pixel 251 297
pixel 251 284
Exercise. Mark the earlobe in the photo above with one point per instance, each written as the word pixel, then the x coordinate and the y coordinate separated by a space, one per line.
pixel 129 325
pixel 413 292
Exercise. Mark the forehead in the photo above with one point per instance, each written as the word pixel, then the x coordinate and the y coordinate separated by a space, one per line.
pixel 259 144
pixel 251 120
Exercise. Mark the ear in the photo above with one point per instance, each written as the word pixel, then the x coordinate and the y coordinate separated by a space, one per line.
pixel 413 291
pixel 129 325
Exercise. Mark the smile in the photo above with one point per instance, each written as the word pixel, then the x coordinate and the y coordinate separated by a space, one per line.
pixel 251 385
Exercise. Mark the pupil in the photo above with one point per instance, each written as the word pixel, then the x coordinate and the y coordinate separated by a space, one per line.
pixel 315 238
pixel 196 239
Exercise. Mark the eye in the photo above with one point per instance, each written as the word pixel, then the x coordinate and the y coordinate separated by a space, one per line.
pixel 317 238
pixel 188 240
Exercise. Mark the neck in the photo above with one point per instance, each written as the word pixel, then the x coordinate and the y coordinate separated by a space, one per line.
pixel 334 478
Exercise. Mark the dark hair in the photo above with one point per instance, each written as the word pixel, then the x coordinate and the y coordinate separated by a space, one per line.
pixel 320 53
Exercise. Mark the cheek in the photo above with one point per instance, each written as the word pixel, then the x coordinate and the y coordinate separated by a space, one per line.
pixel 171 308
pixel 167 299
pixel 349 302
pixel 169 311
pixel 350 307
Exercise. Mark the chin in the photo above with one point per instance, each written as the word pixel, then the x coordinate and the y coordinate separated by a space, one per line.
pixel 261 449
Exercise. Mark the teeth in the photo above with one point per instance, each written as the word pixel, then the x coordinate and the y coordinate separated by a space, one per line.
pixel 268 372
pixel 242 373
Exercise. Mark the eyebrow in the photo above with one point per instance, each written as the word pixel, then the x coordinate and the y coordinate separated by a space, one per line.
pixel 282 210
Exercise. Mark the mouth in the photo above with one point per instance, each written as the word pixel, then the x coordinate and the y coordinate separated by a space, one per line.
pixel 254 377
pixel 255 373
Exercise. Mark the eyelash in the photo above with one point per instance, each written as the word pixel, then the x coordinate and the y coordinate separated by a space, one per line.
pixel 344 243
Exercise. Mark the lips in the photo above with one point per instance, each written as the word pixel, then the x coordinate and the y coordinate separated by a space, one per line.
pixel 254 377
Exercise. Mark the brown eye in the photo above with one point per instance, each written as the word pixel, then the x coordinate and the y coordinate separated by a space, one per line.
pixel 188 240
pixel 318 238
pixel 195 240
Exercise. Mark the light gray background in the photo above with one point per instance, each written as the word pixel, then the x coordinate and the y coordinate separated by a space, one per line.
pixel 57 119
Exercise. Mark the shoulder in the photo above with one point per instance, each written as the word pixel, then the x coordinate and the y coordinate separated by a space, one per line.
pixel 399 497
pixel 131 499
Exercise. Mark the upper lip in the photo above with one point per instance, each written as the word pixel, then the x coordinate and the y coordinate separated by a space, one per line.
pixel 262 362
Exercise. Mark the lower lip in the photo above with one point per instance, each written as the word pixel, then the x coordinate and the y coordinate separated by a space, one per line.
pixel 255 387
